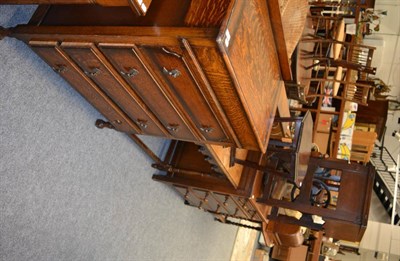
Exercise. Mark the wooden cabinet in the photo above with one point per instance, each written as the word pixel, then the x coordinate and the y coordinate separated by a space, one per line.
pixel 194 73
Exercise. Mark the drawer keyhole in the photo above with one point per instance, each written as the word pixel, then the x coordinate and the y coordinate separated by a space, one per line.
pixel 207 129
pixel 142 123
pixel 173 127
pixel 95 72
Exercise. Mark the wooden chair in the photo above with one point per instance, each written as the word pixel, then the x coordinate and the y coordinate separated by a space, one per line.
pixel 348 219
pixel 362 145
pixel 290 154
pixel 344 90
pixel 284 234
pixel 327 27
pixel 335 53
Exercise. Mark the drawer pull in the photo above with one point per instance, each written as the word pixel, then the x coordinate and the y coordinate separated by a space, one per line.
pixel 60 68
pixel 131 73
pixel 186 196
pixel 104 124
pixel 95 72
pixel 200 206
pixel 205 199
pixel 226 201
pixel 173 127
pixel 173 73
pixel 142 123
pixel 171 52
pixel 207 129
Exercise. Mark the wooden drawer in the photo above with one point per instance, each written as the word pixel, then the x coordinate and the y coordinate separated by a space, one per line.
pixel 131 67
pixel 248 207
pixel 54 56
pixel 170 64
pixel 189 197
pixel 96 67
pixel 230 205
pixel 209 203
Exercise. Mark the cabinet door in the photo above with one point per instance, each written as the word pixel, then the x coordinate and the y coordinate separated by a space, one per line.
pixel 96 67
pixel 131 67
pixel 171 65
pixel 56 58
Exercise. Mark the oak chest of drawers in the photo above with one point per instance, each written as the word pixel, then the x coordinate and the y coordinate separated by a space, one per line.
pixel 205 73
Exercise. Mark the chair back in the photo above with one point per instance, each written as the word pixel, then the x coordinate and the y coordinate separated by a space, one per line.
pixel 362 56
pixel 362 145
pixel 345 90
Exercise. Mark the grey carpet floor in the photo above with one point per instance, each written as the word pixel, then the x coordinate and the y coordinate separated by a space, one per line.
pixel 69 191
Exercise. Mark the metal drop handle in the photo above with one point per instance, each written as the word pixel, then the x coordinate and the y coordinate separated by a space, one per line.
pixel 95 72
pixel 60 68
pixel 131 73
pixel 106 124
pixel 173 73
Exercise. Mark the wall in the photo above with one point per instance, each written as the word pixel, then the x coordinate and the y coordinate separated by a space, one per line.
pixel 387 61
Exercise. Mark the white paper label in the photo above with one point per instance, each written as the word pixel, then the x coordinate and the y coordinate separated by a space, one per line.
pixel 227 37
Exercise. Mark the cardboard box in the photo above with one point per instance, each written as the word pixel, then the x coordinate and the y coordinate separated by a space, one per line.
pixel 322 141
pixel 324 123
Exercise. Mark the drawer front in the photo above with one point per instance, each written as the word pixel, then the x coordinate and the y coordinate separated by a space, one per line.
pixel 130 66
pixel 60 63
pixel 91 62
pixel 189 197
pixel 248 208
pixel 230 206
pixel 170 65
pixel 209 203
